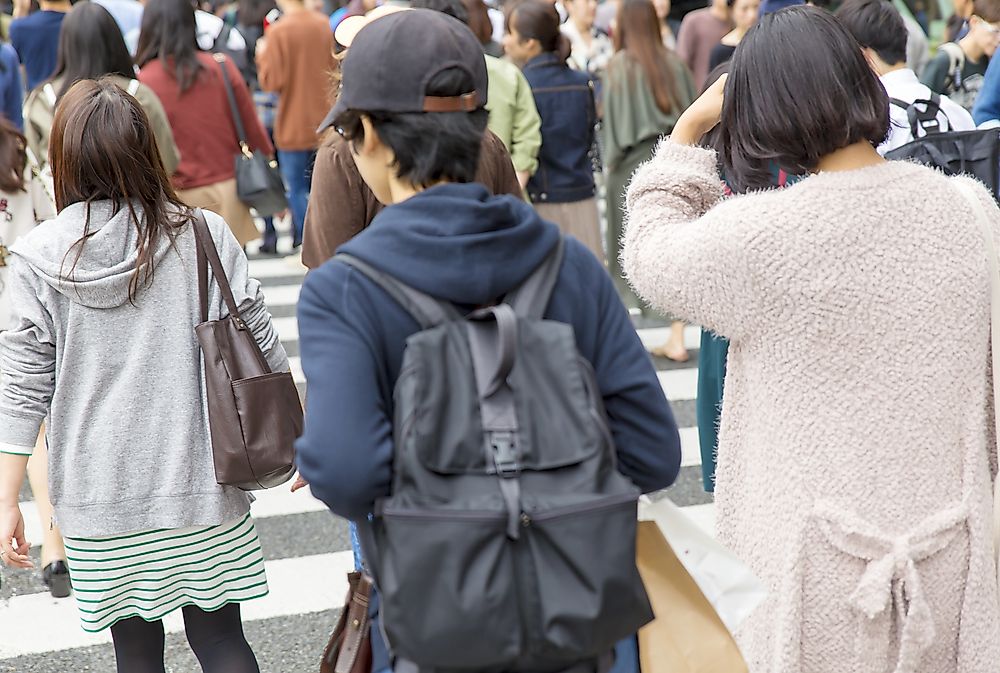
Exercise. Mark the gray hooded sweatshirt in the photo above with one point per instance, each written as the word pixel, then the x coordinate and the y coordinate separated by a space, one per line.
pixel 122 383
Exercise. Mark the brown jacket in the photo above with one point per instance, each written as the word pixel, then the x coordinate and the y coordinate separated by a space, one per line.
pixel 341 204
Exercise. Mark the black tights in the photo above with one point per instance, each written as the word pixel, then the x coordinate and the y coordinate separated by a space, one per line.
pixel 216 638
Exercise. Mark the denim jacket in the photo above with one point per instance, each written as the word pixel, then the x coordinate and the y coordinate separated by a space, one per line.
pixel 565 102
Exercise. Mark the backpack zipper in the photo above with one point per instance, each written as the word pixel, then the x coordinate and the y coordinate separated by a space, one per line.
pixel 438 514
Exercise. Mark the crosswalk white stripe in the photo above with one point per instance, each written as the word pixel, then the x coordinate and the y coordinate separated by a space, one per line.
pixel 276 267
pixel 37 623
pixel 281 295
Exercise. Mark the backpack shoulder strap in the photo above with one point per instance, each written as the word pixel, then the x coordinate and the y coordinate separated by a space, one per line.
pixel 531 297
pixel 50 94
pixel 925 119
pixel 956 61
pixel 425 309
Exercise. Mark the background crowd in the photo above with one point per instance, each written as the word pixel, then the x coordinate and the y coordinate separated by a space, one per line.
pixel 580 98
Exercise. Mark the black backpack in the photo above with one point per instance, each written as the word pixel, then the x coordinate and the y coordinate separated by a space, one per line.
pixel 975 153
pixel 508 543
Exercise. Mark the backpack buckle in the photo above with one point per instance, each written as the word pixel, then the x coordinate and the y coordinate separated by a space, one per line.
pixel 504 447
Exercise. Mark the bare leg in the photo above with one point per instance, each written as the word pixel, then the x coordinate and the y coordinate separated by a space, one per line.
pixel 674 349
pixel 38 477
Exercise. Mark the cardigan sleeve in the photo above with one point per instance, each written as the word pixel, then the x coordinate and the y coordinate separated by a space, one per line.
pixel 679 254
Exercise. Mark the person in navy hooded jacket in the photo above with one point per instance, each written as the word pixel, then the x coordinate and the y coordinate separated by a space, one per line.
pixel 448 237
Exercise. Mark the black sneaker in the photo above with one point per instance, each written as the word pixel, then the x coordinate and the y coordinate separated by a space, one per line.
pixel 56 577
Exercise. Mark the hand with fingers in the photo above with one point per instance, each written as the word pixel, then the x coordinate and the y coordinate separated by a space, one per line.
pixel 13 544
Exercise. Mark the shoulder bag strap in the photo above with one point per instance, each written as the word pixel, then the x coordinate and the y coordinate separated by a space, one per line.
pixel 531 297
pixel 994 266
pixel 425 309
pixel 234 110
pixel 208 255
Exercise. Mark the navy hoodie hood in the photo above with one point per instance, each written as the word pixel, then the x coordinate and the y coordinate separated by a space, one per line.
pixel 457 242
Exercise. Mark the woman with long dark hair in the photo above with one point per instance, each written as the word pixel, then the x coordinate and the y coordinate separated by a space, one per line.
pixel 91 46
pixel 105 300
pixel 856 438
pixel 191 87
pixel 562 188
pixel 646 88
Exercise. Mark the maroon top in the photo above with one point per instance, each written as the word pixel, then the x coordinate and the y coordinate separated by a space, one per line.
pixel 202 123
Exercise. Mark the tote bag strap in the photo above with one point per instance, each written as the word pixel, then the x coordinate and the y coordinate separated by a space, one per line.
pixel 994 266
pixel 208 255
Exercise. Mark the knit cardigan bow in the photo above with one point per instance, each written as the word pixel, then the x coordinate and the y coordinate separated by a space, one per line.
pixel 891 579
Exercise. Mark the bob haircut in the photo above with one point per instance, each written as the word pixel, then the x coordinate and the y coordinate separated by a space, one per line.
pixel 799 89
pixel 428 146
pixel 102 148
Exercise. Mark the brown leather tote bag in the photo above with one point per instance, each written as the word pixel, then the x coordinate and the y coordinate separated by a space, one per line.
pixel 254 414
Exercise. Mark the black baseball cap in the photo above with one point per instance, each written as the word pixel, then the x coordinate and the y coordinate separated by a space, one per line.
pixel 392 58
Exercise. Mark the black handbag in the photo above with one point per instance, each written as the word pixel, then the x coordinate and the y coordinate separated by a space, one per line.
pixel 258 181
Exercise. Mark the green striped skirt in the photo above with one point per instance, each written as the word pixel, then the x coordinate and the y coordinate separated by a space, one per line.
pixel 152 573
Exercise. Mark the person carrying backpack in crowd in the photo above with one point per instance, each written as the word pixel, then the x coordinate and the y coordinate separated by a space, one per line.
pixel 959 68
pixel 866 515
pixel 105 298
pixel 415 118
pixel 562 188
pixel 90 47
pixel 878 28
pixel 294 60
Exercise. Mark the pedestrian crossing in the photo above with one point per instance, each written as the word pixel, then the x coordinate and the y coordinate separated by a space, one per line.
pixel 307 550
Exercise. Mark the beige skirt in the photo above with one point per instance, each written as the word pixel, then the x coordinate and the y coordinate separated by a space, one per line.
pixel 221 198
pixel 578 219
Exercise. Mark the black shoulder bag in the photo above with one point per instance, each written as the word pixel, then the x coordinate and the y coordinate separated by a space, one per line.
pixel 258 181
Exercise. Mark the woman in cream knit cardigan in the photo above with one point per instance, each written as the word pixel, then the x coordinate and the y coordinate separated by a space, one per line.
pixel 855 453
